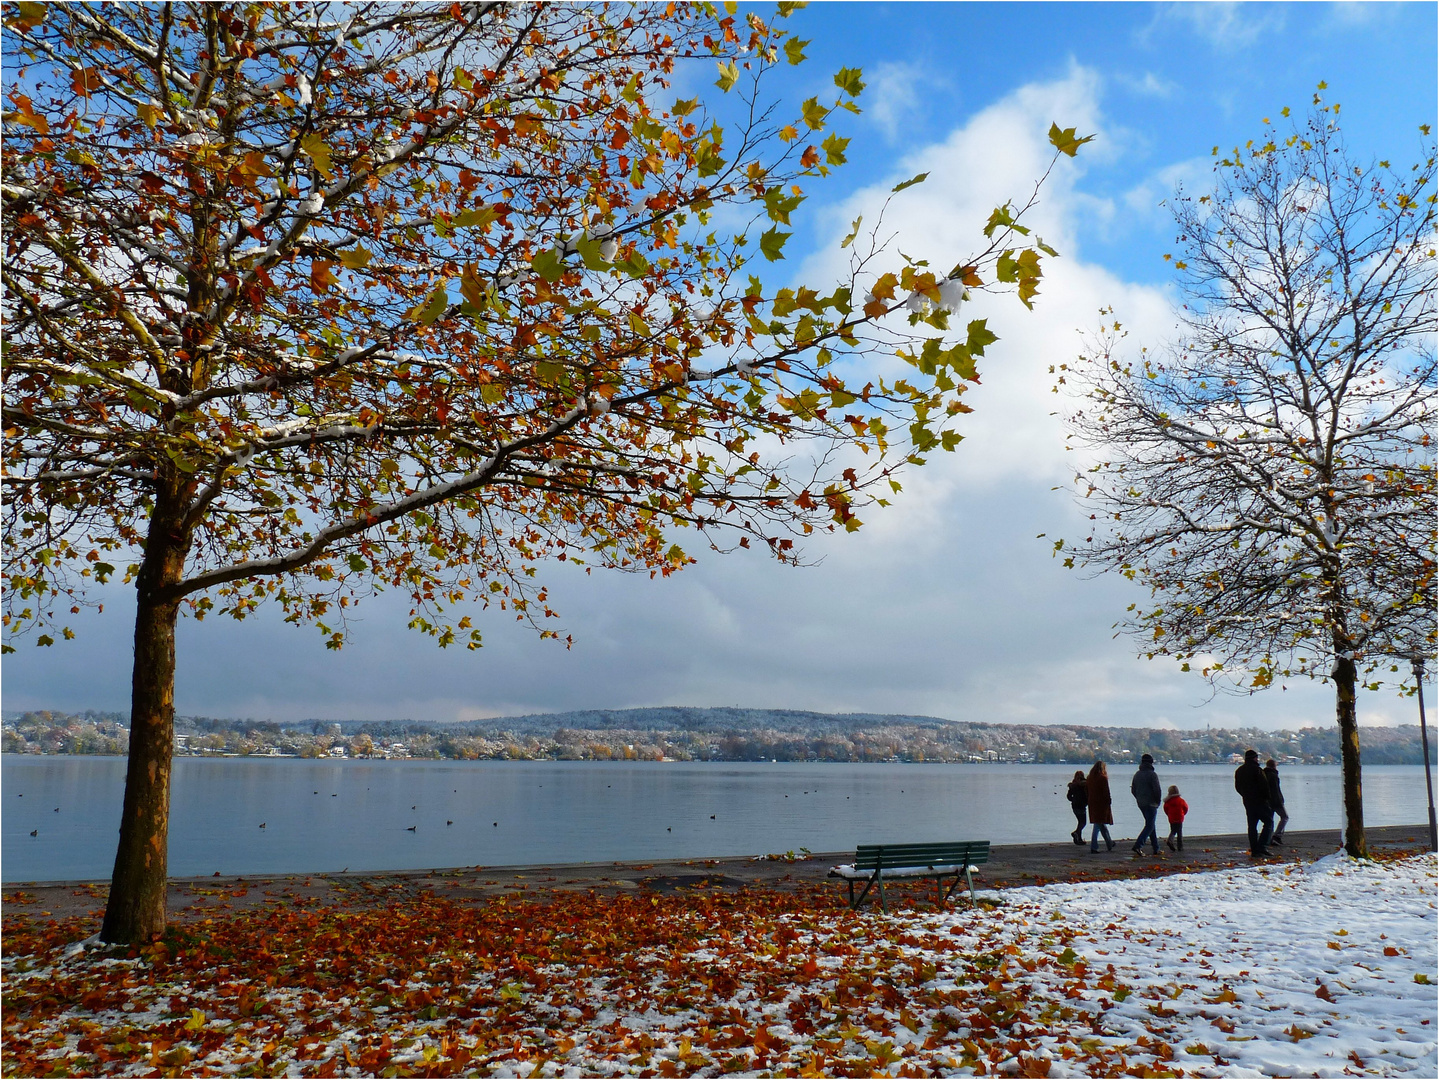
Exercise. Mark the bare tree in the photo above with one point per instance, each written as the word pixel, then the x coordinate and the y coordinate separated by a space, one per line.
pixel 1270 475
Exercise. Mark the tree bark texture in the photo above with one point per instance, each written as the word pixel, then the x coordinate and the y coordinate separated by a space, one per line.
pixel 135 911
pixel 1345 679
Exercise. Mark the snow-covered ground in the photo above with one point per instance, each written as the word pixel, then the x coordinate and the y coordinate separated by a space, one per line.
pixel 1327 969
pixel 1320 970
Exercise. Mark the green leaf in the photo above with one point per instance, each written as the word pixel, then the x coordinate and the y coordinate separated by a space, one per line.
pixel 1064 140
pixel 636 266
pixel 853 232
pixel 834 149
pixel 492 393
pixel 439 301
pixel 729 75
pixel 979 337
pixel 1003 218
pixel 772 243
pixel 814 114
pixel 848 80
pixel 683 107
pixel 316 150
pixel 478 217
pixel 910 182
pixel 779 205
pixel 549 264
pixel 708 159
pixel 632 89
pixel 357 564
pixel 794 50
pixel 589 249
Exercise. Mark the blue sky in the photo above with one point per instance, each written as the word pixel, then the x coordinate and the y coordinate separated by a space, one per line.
pixel 1173 81
pixel 946 604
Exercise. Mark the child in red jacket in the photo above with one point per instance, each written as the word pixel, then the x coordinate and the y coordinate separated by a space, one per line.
pixel 1174 809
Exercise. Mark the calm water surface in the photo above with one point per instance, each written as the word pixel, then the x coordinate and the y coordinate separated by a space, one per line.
pixel 330 815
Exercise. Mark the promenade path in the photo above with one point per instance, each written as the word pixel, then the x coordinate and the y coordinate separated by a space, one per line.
pixel 1010 865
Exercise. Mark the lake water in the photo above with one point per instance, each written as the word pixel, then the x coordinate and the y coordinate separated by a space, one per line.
pixel 325 816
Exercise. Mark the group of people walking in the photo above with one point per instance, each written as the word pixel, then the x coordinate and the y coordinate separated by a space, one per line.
pixel 1090 799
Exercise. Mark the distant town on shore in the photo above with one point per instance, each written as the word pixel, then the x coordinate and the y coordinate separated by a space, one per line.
pixel 680 733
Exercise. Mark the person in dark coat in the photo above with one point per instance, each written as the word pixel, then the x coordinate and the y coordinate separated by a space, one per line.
pixel 1148 795
pixel 1276 800
pixel 1101 812
pixel 1253 788
pixel 1078 796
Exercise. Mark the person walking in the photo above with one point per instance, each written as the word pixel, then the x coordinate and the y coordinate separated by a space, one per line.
pixel 1078 796
pixel 1101 807
pixel 1147 796
pixel 1174 809
pixel 1253 788
pixel 1276 800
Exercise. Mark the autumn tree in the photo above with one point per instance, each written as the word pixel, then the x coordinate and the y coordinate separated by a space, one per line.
pixel 307 300
pixel 1269 476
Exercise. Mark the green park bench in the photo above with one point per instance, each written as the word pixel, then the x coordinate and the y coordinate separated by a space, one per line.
pixel 873 863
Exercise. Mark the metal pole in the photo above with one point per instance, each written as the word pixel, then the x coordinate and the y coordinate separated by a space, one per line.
pixel 1418 662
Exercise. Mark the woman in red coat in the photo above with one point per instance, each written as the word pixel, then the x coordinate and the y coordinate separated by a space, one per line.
pixel 1101 812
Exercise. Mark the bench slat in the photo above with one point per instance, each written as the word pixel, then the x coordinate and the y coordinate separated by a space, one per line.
pixel 891 856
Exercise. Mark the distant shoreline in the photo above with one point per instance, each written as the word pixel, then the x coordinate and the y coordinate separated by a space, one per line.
pixel 707 734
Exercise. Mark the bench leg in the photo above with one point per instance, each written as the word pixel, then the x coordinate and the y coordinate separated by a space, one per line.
pixel 953 885
pixel 969 879
pixel 879 874
pixel 869 884
pixel 850 882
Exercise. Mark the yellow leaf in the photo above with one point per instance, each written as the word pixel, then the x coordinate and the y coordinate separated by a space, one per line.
pixel 315 148
pixel 355 258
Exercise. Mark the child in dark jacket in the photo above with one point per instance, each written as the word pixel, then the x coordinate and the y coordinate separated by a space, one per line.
pixel 1174 809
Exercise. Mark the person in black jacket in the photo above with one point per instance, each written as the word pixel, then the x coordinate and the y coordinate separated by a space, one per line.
pixel 1078 796
pixel 1148 795
pixel 1253 788
pixel 1276 800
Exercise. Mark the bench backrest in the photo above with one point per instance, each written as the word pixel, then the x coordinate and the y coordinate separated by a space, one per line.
pixel 893 856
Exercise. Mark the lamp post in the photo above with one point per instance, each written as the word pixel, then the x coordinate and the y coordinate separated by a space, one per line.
pixel 1418 661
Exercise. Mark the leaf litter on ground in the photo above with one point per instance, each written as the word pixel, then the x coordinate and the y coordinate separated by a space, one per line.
pixel 1325 969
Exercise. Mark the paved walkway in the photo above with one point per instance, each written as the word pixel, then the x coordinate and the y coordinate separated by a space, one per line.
pixel 1009 865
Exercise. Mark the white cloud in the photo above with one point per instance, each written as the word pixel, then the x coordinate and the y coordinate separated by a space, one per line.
pixel 1147 85
pixel 1226 26
pixel 1144 200
pixel 893 93
pixel 997 156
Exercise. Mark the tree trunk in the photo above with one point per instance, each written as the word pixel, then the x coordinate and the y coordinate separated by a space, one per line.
pixel 135 911
pixel 1345 679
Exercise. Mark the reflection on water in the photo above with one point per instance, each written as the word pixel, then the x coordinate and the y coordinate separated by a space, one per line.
pixel 331 815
